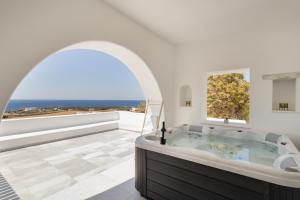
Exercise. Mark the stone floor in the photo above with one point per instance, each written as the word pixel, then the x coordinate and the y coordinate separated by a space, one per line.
pixel 98 166
pixel 123 191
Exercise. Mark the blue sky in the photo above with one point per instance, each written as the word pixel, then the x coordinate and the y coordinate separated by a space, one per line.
pixel 80 75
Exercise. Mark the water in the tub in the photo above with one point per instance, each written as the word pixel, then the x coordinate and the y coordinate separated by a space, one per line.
pixel 228 148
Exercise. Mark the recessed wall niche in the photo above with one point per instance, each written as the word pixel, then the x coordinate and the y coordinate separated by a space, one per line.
pixel 185 96
pixel 284 95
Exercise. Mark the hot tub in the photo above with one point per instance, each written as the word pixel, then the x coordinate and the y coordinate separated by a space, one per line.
pixel 211 162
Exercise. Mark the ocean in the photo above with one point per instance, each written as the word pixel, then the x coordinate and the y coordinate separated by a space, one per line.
pixel 14 105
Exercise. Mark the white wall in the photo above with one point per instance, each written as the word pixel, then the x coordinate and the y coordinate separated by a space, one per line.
pixel 131 121
pixel 271 49
pixel 298 95
pixel 31 30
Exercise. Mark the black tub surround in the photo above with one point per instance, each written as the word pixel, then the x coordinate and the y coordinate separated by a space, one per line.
pixel 164 172
pixel 163 177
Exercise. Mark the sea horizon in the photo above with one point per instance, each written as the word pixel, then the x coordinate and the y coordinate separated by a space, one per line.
pixel 18 104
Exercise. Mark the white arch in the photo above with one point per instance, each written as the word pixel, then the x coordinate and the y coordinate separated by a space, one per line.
pixel 134 63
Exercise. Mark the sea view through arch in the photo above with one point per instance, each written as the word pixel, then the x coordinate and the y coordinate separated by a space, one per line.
pixel 27 108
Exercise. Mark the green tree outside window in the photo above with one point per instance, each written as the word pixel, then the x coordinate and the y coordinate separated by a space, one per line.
pixel 228 97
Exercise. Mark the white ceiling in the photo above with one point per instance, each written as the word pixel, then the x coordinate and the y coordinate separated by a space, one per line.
pixel 190 21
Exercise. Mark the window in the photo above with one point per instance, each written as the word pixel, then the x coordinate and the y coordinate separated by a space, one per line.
pixel 228 96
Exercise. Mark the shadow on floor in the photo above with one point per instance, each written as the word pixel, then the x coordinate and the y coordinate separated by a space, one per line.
pixel 124 191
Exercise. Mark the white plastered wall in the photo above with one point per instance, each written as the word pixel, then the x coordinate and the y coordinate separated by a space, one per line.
pixel 267 50
pixel 32 30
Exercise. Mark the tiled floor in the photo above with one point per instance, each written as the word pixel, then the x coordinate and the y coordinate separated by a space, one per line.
pixel 122 191
pixel 98 166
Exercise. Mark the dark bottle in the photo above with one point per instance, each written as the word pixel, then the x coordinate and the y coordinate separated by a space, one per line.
pixel 162 138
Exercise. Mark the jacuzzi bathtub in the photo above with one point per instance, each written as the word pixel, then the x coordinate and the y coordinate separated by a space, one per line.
pixel 267 161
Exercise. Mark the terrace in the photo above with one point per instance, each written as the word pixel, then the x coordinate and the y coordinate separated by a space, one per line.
pixel 68 168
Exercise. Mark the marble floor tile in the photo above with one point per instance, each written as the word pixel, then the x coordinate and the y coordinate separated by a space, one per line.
pixel 50 186
pixel 60 158
pixel 40 176
pixel 115 193
pixel 76 168
pixel 121 172
pixel 123 191
pixel 85 188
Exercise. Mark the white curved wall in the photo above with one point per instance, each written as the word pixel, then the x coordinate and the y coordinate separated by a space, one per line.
pixel 31 30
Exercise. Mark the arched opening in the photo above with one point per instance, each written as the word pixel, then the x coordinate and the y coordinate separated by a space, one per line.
pixel 86 154
pixel 134 63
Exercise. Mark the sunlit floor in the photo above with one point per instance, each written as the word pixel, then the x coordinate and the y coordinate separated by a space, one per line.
pixel 122 191
pixel 98 166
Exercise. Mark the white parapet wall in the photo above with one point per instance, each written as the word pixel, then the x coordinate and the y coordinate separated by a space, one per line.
pixel 17 133
pixel 34 124
pixel 131 121
pixel 22 132
pixel 134 122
